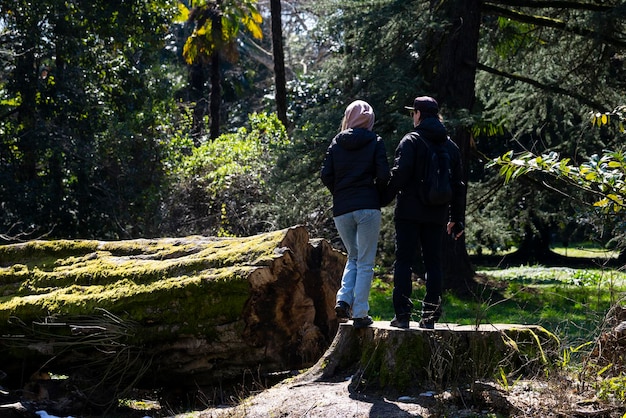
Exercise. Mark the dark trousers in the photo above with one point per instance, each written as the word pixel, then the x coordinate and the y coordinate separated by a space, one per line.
pixel 410 237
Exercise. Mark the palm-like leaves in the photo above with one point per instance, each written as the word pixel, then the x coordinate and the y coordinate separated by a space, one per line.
pixel 217 25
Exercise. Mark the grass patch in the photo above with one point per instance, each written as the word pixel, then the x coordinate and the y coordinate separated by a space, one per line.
pixel 578 250
pixel 571 303
pixel 585 250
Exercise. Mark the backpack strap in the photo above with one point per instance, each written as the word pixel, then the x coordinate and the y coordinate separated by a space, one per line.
pixel 420 157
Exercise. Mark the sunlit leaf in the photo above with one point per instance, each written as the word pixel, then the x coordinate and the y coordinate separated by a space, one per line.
pixel 205 29
pixel 601 203
pixel 613 197
pixel 183 13
pixel 256 16
pixel 189 51
pixel 519 172
pixel 254 28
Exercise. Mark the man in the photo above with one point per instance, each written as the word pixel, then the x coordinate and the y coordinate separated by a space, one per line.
pixel 421 224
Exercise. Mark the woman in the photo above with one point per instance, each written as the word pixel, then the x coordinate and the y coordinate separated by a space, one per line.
pixel 356 172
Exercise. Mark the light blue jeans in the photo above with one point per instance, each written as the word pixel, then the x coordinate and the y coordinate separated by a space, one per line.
pixel 359 232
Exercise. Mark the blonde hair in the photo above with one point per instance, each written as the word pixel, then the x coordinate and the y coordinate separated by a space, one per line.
pixel 358 114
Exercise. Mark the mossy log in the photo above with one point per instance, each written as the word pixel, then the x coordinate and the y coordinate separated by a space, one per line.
pixel 179 312
pixel 395 359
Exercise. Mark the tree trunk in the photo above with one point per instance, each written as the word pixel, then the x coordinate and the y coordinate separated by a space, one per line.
pixel 197 81
pixel 166 313
pixel 215 102
pixel 27 142
pixel 455 79
pixel 279 62
pixel 535 244
pixel 216 96
pixel 451 355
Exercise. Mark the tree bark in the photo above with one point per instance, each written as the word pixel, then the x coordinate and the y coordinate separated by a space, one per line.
pixel 535 244
pixel 215 102
pixel 216 96
pixel 455 81
pixel 279 62
pixel 197 80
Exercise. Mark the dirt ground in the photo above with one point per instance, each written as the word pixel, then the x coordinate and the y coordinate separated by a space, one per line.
pixel 307 395
pixel 554 393
pixel 557 397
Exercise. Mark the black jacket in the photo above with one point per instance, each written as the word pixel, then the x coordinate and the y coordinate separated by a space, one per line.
pixel 407 171
pixel 355 170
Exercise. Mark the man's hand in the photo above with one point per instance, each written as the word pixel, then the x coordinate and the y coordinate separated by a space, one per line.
pixel 456 229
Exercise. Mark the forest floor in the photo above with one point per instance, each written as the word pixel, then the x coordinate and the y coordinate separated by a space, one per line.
pixel 554 397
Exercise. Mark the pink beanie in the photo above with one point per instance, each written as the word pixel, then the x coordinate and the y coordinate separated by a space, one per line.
pixel 359 114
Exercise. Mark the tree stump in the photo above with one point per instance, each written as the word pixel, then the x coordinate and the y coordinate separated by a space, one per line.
pixel 391 358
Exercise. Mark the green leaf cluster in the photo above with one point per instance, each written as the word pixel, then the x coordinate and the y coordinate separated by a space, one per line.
pixel 87 120
pixel 218 188
pixel 618 116
pixel 603 176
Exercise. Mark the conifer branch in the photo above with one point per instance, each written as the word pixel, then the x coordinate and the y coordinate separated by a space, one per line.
pixel 547 87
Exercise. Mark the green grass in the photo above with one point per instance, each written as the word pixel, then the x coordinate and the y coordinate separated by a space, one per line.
pixel 572 303
pixel 585 250
pixel 578 250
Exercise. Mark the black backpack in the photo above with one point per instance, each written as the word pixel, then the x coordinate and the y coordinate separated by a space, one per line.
pixel 435 188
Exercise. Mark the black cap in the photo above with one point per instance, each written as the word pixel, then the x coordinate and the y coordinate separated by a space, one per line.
pixel 424 104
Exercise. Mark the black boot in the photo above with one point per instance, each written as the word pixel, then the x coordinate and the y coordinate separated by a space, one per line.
pixel 401 321
pixel 431 312
pixel 342 309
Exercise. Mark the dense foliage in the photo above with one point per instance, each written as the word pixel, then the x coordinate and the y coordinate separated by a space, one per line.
pixel 86 117
pixel 102 111
pixel 220 189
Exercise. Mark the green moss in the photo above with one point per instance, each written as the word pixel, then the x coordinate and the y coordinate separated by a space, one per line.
pixel 191 284
pixel 438 359
pixel 406 369
pixel 44 252
pixel 411 370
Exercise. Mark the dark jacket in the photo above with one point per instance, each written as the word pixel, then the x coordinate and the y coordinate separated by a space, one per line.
pixel 407 171
pixel 355 170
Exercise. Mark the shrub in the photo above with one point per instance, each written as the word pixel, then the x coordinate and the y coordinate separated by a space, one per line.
pixel 218 188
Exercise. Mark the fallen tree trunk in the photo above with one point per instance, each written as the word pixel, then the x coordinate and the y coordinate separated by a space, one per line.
pixel 180 312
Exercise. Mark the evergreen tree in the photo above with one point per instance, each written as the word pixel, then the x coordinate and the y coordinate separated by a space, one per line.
pixel 81 144
pixel 532 82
